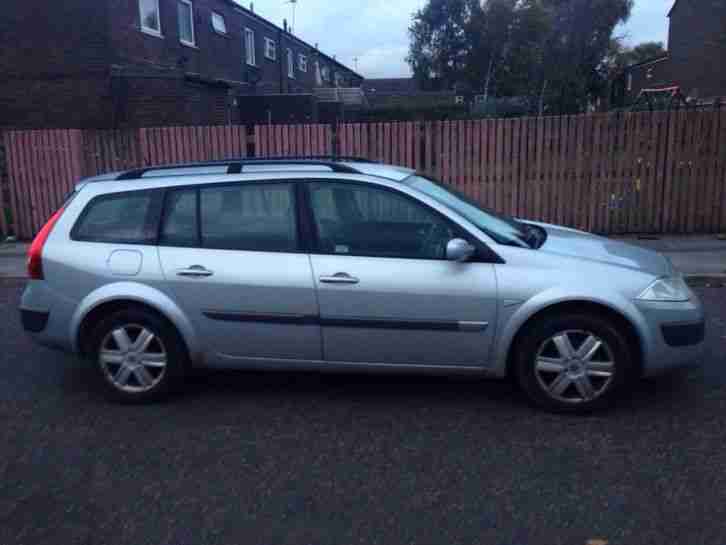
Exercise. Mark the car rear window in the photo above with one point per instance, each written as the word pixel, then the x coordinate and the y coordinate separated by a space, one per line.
pixel 130 218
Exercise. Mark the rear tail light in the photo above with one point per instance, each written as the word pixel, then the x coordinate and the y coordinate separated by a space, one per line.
pixel 35 253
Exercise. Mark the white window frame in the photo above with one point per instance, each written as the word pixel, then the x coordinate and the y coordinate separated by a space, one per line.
pixel 302 62
pixel 250 55
pixel 193 42
pixel 290 57
pixel 146 29
pixel 270 49
pixel 219 17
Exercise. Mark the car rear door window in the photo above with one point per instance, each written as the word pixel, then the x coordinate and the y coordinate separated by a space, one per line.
pixel 249 216
pixel 355 219
pixel 180 226
pixel 130 218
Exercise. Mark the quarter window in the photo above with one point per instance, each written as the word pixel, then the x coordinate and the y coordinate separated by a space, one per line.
pixel 218 23
pixel 250 46
pixel 253 217
pixel 130 218
pixel 150 19
pixel 354 219
pixel 270 49
pixel 185 12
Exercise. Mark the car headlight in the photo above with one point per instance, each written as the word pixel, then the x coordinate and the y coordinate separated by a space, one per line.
pixel 672 289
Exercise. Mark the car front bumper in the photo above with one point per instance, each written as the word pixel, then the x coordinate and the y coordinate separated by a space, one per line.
pixel 675 336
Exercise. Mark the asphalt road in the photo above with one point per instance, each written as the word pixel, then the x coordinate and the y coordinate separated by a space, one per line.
pixel 248 458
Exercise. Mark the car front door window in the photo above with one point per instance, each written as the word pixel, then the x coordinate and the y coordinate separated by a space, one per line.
pixel 358 220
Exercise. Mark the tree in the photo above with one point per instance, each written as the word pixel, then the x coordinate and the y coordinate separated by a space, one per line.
pixel 440 40
pixel 550 51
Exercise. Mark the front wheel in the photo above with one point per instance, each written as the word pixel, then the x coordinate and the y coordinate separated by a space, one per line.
pixel 573 363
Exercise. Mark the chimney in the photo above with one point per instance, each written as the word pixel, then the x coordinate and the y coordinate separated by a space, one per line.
pixel 252 7
pixel 284 25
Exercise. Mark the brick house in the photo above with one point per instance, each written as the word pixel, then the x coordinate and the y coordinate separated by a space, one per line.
pixel 695 58
pixel 117 63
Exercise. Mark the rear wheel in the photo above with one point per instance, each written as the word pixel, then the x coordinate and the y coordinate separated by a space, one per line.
pixel 573 363
pixel 139 356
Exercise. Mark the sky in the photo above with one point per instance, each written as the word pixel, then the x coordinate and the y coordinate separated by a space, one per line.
pixel 375 32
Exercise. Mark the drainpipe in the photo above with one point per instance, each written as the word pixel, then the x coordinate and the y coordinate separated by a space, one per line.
pixel 281 54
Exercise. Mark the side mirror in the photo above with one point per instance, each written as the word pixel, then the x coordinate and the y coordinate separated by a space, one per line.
pixel 459 250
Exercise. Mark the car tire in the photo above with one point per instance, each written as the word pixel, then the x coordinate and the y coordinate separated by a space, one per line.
pixel 138 356
pixel 573 363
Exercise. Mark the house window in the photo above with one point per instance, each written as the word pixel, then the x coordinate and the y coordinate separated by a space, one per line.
pixel 290 64
pixel 218 23
pixel 150 20
pixel 630 82
pixel 302 63
pixel 250 47
pixel 325 73
pixel 186 22
pixel 270 49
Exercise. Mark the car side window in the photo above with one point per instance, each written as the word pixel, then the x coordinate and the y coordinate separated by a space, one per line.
pixel 180 219
pixel 127 218
pixel 354 219
pixel 249 216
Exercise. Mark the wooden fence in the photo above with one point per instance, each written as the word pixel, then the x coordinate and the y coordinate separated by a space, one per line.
pixel 609 173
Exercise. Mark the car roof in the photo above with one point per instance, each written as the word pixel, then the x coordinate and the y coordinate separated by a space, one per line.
pixel 255 165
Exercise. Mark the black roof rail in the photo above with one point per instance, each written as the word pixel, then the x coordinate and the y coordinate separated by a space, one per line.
pixel 236 166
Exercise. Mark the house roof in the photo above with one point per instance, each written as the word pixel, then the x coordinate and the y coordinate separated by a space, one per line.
pixel 673 7
pixel 254 15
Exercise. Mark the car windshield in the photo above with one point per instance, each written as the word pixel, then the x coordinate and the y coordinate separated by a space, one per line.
pixel 503 229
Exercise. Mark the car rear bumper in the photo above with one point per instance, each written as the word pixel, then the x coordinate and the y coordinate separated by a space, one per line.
pixel 45 315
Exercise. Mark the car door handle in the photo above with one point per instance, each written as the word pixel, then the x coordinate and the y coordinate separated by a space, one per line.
pixel 339 278
pixel 195 271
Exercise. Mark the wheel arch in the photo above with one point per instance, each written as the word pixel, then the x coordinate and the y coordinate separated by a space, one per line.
pixel 633 331
pixel 115 296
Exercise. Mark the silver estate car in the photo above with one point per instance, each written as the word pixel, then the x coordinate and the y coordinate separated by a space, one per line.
pixel 344 265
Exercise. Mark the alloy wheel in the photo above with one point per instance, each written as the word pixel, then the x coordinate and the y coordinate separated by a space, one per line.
pixel 133 358
pixel 575 366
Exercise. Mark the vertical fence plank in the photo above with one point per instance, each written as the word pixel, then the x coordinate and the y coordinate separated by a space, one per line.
pixel 721 177
pixel 11 160
pixel 445 152
pixel 25 196
pixel 709 204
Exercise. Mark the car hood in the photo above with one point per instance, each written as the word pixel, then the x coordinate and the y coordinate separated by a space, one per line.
pixel 574 243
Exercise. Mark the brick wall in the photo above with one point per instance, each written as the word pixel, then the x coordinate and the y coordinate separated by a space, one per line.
pixel 86 63
pixel 697 46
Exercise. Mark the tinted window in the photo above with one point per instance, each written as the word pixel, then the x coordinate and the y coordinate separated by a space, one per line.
pixel 259 217
pixel 180 219
pixel 358 220
pixel 128 217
